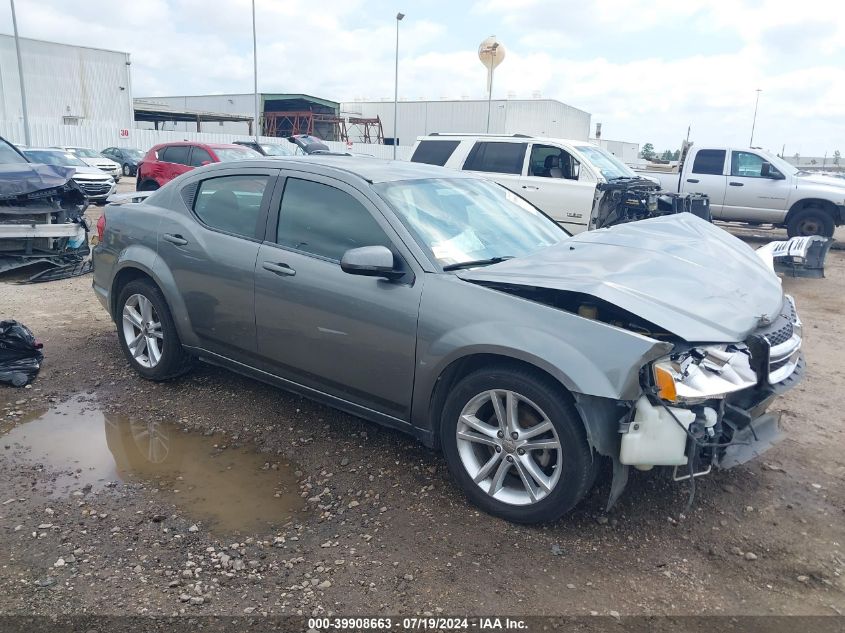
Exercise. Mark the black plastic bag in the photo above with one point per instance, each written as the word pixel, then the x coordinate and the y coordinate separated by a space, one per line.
pixel 20 354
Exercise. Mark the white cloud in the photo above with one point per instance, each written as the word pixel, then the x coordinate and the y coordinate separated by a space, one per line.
pixel 645 68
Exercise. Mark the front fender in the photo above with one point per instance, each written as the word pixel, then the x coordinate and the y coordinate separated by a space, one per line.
pixel 586 356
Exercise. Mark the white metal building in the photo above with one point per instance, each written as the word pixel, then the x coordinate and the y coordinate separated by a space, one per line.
pixel 65 85
pixel 624 151
pixel 541 117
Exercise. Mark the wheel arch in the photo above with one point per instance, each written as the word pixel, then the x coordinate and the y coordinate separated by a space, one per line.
pixel 465 365
pixel 815 203
pixel 161 277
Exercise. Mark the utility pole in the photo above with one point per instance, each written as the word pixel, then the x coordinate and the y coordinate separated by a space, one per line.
pixel 26 135
pixel 399 17
pixel 257 123
pixel 754 122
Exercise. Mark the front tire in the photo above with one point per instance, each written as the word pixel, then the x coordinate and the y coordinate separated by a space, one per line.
pixel 148 334
pixel 810 221
pixel 126 170
pixel 516 445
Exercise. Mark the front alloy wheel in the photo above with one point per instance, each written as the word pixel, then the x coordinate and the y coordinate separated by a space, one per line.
pixel 142 331
pixel 509 447
pixel 516 445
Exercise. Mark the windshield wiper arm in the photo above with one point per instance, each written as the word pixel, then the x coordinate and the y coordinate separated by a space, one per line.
pixel 477 262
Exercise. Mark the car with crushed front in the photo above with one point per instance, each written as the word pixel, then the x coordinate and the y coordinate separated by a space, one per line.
pixel 446 306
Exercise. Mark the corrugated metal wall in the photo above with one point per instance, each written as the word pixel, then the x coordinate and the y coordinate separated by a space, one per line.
pixel 229 104
pixel 99 138
pixel 65 81
pixel 540 117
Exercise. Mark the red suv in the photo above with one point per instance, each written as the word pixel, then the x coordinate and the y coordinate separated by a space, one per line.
pixel 167 160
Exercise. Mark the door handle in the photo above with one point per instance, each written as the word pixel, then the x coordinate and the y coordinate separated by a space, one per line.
pixel 531 187
pixel 174 239
pixel 279 269
pixel 736 184
pixel 692 179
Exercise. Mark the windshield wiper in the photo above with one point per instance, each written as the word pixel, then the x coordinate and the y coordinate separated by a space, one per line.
pixel 477 262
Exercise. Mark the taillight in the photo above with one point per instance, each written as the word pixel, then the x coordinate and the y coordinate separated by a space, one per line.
pixel 101 227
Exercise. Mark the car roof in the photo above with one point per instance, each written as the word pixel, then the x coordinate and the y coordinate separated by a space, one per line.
pixel 200 144
pixel 373 170
pixel 498 137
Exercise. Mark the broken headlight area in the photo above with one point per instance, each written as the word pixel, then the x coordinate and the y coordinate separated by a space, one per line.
pixel 703 373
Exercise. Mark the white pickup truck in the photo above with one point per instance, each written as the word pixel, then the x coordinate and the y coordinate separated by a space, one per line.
pixel 754 186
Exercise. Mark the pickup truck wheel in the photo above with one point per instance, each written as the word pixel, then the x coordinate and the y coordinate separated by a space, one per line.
pixel 515 445
pixel 147 333
pixel 810 221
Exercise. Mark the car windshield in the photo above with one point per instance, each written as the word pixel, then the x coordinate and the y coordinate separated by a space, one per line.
pixel 461 220
pixel 9 155
pixel 53 157
pixel 226 154
pixel 609 166
pixel 272 149
pixel 133 153
pixel 85 152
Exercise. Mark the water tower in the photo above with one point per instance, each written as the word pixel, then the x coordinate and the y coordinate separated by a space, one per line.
pixel 491 53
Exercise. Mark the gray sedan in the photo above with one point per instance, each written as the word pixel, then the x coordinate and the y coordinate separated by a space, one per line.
pixel 446 306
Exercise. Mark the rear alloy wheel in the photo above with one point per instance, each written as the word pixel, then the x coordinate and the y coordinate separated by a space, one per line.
pixel 147 333
pixel 142 331
pixel 810 221
pixel 516 446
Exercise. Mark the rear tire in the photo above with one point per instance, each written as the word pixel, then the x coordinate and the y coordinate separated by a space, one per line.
pixel 518 472
pixel 810 221
pixel 148 185
pixel 148 334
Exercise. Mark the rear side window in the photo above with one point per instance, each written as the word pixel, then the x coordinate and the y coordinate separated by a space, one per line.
pixel 231 203
pixel 496 157
pixel 175 154
pixel 709 161
pixel 434 152
pixel 198 156
pixel 324 221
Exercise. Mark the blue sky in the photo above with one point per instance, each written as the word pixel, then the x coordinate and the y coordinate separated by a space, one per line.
pixel 645 68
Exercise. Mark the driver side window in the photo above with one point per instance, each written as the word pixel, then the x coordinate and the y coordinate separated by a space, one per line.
pixel 747 164
pixel 552 162
pixel 321 220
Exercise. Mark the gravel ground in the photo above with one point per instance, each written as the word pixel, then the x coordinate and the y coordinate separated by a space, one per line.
pixel 378 527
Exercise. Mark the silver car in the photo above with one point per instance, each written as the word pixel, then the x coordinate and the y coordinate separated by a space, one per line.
pixel 446 306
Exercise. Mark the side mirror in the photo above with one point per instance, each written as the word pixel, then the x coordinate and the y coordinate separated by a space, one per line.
pixel 767 171
pixel 370 261
pixel 576 170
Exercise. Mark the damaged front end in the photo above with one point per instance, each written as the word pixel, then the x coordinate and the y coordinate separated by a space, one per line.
pixel 705 406
pixel 625 200
pixel 41 216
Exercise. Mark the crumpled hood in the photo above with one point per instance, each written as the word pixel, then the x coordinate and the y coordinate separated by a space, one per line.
pixel 18 179
pixel 679 272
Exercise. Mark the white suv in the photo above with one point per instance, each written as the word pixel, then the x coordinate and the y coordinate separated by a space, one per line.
pixel 557 176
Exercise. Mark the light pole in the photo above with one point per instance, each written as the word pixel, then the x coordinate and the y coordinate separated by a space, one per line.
pixel 399 17
pixel 754 122
pixel 20 76
pixel 255 72
pixel 490 82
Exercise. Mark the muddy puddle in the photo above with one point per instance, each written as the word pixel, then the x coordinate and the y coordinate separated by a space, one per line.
pixel 230 490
